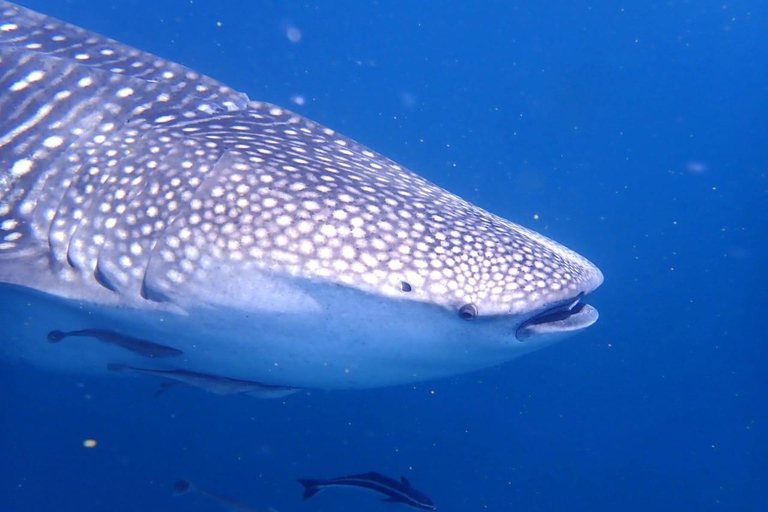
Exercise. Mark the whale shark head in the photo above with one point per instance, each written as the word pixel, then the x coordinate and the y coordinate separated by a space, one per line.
pixel 367 257
pixel 268 247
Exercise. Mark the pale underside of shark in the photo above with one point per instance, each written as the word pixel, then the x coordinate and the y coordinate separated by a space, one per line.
pixel 168 223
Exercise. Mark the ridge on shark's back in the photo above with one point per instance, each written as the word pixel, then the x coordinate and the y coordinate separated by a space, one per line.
pixel 141 198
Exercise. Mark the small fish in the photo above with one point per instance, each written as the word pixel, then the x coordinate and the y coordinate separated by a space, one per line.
pixel 211 383
pixel 395 492
pixel 144 348
pixel 185 486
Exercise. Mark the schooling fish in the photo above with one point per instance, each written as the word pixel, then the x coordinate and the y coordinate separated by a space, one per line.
pixel 184 486
pixel 395 491
pixel 211 383
pixel 144 348
pixel 140 194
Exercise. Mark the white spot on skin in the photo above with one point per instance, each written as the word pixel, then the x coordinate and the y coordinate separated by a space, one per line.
pixel 12 237
pixel 33 76
pixel 348 252
pixel 124 92
pixel 9 224
pixel 328 230
pixel 175 276
pixel 52 142
pixel 305 227
pixel 306 247
pixel 21 167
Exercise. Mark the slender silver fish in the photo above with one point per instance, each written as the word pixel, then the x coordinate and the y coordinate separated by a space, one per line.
pixel 184 486
pixel 212 383
pixel 140 197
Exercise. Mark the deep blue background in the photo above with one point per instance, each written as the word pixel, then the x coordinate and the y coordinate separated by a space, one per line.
pixel 633 132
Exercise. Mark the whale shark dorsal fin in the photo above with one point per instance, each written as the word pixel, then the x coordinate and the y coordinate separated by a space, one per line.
pixel 405 481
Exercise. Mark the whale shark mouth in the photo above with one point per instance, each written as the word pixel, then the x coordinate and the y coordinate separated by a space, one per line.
pixel 565 318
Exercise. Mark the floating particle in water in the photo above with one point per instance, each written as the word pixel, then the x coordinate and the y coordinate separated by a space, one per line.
pixel 89 443
pixel 293 34
pixel 298 99
pixel 408 99
pixel 695 167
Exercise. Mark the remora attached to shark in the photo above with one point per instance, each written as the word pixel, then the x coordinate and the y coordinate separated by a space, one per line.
pixel 140 198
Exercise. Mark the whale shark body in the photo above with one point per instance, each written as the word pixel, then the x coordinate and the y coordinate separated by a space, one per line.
pixel 145 205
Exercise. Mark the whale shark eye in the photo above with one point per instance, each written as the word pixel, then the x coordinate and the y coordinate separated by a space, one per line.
pixel 468 311
pixel 405 287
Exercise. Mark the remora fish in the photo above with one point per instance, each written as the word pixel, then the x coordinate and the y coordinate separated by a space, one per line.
pixel 144 348
pixel 184 486
pixel 211 383
pixel 395 492
pixel 139 196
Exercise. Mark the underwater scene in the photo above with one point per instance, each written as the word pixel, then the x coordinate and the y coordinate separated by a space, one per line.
pixel 383 255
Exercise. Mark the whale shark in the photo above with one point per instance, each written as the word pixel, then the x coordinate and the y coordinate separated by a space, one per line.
pixel 149 210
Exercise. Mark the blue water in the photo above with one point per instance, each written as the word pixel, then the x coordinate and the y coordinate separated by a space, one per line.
pixel 633 132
